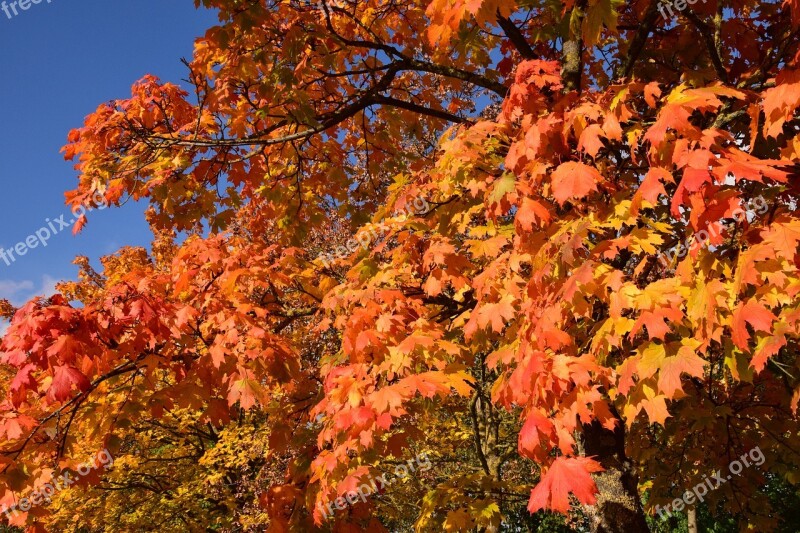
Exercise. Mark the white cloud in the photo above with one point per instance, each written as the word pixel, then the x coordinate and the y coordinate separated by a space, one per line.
pixel 48 286
pixel 9 289
pixel 19 292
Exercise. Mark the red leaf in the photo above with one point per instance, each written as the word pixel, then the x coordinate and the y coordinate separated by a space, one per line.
pixel 64 379
pixel 537 428
pixel 79 224
pixel 23 379
pixel 565 475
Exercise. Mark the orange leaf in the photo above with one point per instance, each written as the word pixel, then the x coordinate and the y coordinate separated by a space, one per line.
pixel 753 313
pixel 574 180
pixel 685 361
pixel 565 475
pixel 532 213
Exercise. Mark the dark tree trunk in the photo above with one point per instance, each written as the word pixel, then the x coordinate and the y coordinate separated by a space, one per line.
pixel 618 508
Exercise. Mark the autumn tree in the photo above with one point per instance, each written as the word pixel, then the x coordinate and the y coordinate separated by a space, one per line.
pixel 553 245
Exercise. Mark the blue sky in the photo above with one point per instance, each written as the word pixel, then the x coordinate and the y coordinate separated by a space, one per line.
pixel 59 61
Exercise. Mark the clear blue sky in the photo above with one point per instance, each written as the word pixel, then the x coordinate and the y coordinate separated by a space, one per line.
pixel 59 61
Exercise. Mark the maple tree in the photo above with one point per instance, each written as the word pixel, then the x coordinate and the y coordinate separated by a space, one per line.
pixel 521 329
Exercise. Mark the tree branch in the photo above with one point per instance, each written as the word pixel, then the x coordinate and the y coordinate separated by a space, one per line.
pixel 473 409
pixel 708 38
pixel 625 68
pixel 77 399
pixel 410 106
pixel 458 74
pixel 516 37
pixel 414 64
pixel 572 52
pixel 370 98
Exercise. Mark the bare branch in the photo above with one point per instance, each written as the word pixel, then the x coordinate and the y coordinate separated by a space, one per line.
pixel 639 40
pixel 708 37
pixel 516 37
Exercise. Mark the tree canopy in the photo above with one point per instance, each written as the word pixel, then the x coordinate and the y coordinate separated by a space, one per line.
pixel 550 245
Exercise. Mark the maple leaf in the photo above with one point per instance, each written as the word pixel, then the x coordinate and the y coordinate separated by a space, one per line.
pixel 781 101
pixel 671 116
pixel 651 359
pixel 24 379
pixel 80 223
pixel 247 392
pixel 434 285
pixel 783 236
pixel 307 130
pixel 754 313
pixel 565 475
pixel 599 13
pixel 66 379
pixel 538 429
pixel 218 352
pixel 651 92
pixel 66 347
pixel 651 187
pixel 496 313
pixel 590 140
pixel 769 346
pixel 654 322
pixel 532 213
pixel 15 427
pixel 656 409
pixel 685 361
pixel 626 371
pixel 389 399
pixel 487 248
pixel 185 315
pixel 573 180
